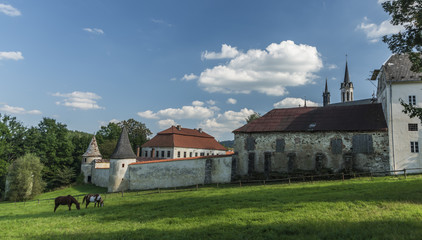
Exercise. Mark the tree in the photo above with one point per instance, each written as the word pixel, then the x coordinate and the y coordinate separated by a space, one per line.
pixel 24 178
pixel 252 117
pixel 407 13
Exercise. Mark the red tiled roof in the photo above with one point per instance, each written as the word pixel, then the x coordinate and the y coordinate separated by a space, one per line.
pixel 180 159
pixel 187 138
pixel 368 117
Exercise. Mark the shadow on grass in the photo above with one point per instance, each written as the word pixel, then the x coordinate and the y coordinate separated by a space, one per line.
pixel 298 230
pixel 135 208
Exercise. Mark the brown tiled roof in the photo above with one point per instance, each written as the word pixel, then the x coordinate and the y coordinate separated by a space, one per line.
pixel 397 69
pixel 368 117
pixel 185 137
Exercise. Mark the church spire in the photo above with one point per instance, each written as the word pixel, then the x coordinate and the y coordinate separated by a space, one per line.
pixel 123 148
pixel 326 95
pixel 346 86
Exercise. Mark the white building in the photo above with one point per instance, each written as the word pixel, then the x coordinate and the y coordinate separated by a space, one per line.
pixel 396 81
pixel 177 142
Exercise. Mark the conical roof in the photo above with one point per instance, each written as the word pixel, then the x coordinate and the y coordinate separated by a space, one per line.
pixel 123 148
pixel 93 150
pixel 346 75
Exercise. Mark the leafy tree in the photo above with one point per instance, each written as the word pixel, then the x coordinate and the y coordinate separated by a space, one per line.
pixel 24 178
pixel 55 148
pixel 252 117
pixel 80 142
pixel 407 13
pixel 108 136
pixel 64 176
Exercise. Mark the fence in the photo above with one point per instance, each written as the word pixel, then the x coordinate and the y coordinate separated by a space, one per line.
pixel 240 183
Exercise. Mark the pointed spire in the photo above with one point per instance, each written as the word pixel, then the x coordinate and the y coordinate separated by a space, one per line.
pixel 326 86
pixel 346 74
pixel 123 148
pixel 326 95
pixel 93 150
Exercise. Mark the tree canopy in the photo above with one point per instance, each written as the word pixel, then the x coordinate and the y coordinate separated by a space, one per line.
pixel 252 117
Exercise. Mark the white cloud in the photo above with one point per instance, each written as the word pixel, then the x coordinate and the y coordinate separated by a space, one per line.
pixel 18 110
pixel 197 103
pixel 267 71
pixel 173 79
pixel 166 123
pixel 148 114
pixel 94 30
pixel 79 100
pixel 227 51
pixel 11 56
pixel 331 66
pixel 186 112
pixel 9 10
pixel 189 77
pixel 226 122
pixel 211 102
pixel 231 101
pixel 374 32
pixel 294 102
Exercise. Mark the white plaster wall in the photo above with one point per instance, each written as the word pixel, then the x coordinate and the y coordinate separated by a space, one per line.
pixel 119 175
pixel 306 146
pixel 100 177
pixel 86 169
pixel 178 173
pixel 399 134
pixel 174 151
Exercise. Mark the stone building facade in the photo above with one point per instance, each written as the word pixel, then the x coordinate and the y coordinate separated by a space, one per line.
pixel 318 139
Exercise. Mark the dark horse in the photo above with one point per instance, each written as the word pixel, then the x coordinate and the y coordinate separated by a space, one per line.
pixel 95 198
pixel 66 200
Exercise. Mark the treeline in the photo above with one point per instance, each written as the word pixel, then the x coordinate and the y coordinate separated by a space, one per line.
pixel 57 149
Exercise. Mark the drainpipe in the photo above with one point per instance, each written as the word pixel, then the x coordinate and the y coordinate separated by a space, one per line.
pixel 392 125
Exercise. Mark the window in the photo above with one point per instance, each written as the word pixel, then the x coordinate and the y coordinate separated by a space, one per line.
pixel 168 154
pixel 184 154
pixel 414 147
pixel 190 154
pixel 146 153
pixel 123 165
pixel 157 154
pixel 202 154
pixel 413 127
pixel 162 153
pixel 178 154
pixel 412 100
pixel 196 154
pixel 85 159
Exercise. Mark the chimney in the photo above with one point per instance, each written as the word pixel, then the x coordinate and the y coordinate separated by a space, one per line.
pixel 153 153
pixel 200 130
pixel 179 127
pixel 138 150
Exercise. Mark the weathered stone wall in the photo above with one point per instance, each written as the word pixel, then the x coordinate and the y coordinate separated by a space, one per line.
pixel 119 175
pixel 100 177
pixel 313 151
pixel 179 173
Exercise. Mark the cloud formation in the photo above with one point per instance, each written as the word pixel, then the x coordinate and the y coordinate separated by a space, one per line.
pixel 185 112
pixel 267 71
pixel 231 101
pixel 18 110
pixel 79 100
pixel 94 30
pixel 374 32
pixel 225 122
pixel 227 51
pixel 11 56
pixel 189 77
pixel 9 10
pixel 166 123
pixel 294 102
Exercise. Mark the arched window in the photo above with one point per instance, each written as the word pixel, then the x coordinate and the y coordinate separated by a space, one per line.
pixel 348 96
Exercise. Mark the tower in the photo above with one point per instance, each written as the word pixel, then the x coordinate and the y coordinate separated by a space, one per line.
pixel 122 156
pixel 91 154
pixel 346 87
pixel 326 95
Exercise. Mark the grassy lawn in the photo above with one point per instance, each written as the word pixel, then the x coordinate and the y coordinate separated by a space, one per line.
pixel 384 208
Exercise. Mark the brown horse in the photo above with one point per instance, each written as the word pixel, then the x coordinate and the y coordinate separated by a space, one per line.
pixel 66 200
pixel 95 198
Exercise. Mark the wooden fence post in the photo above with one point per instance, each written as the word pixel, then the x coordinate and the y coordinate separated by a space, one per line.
pixel 372 177
pixel 240 183
pixel 312 179
pixel 122 193
pixel 196 187
pixel 289 181
pixel 342 175
pixel 405 175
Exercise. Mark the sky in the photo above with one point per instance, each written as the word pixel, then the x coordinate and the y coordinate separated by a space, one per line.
pixel 199 64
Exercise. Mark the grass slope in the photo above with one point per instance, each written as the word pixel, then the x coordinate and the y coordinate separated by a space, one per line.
pixel 385 208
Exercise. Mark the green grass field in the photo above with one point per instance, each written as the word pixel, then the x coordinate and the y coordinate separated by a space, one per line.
pixel 383 208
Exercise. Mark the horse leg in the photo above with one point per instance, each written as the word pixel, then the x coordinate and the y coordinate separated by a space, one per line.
pixel 56 207
pixel 70 205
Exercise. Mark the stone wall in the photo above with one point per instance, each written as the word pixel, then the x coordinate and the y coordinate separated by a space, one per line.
pixel 180 172
pixel 311 151
pixel 100 177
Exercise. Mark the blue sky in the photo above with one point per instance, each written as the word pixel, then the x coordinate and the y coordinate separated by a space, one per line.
pixel 200 64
